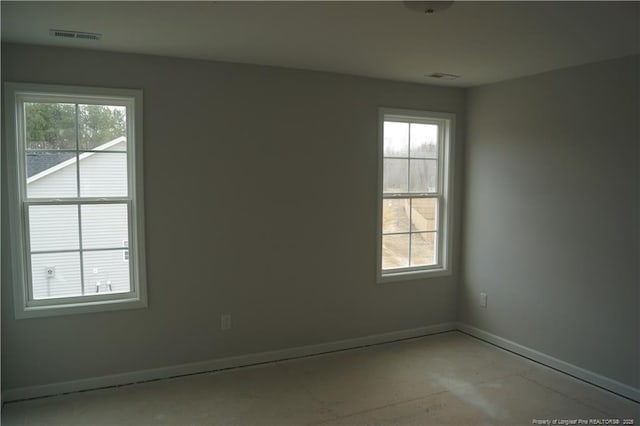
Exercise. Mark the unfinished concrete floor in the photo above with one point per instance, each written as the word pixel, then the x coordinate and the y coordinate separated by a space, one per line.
pixel 445 379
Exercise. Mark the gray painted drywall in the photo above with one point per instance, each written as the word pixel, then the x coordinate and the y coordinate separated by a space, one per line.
pixel 260 200
pixel 551 215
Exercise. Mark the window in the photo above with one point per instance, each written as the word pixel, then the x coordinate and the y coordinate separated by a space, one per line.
pixel 75 188
pixel 415 194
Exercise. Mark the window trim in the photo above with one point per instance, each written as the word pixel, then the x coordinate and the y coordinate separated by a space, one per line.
pixel 446 180
pixel 15 93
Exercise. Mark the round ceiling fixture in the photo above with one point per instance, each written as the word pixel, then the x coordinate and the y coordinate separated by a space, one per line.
pixel 428 7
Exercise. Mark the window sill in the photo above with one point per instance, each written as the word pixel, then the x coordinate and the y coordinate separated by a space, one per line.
pixel 80 308
pixel 391 277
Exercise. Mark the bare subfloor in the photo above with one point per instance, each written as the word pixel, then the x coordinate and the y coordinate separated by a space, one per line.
pixel 448 379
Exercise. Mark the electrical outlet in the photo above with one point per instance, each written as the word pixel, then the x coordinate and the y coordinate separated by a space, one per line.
pixel 483 300
pixel 225 322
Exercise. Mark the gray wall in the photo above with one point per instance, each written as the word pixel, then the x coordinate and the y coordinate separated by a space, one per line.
pixel 260 201
pixel 551 215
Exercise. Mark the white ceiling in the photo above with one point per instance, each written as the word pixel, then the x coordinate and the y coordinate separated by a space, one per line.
pixel 483 42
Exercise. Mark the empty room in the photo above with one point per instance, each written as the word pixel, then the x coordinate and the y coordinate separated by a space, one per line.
pixel 320 213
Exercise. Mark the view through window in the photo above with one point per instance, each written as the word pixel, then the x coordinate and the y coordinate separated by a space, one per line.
pixel 76 152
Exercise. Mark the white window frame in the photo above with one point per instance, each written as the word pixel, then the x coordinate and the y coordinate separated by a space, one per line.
pixel 24 305
pixel 446 123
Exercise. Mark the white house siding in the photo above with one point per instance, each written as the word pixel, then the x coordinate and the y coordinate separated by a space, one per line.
pixel 102 174
pixel 104 226
pixel 62 183
pixel 53 228
pixel 66 281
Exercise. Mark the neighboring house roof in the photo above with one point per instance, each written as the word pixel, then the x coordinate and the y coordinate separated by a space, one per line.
pixel 36 162
pixel 39 166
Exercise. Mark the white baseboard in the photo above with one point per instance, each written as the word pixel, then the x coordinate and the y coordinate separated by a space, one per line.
pixel 548 360
pixel 301 351
pixel 217 364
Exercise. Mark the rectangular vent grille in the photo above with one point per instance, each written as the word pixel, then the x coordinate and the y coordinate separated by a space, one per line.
pixel 75 34
pixel 443 76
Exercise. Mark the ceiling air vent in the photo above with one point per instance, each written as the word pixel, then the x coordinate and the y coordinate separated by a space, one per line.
pixel 428 7
pixel 75 34
pixel 443 76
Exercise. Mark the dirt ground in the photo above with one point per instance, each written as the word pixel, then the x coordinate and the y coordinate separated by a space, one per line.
pixel 410 244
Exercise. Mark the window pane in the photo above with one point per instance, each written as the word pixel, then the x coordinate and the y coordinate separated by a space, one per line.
pixel 53 228
pixel 106 272
pixel 395 251
pixel 396 139
pixel 51 174
pixel 102 127
pixel 104 225
pixel 55 275
pixel 50 125
pixel 424 214
pixel 395 176
pixel 423 249
pixel 424 176
pixel 424 140
pixel 103 174
pixel 395 215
